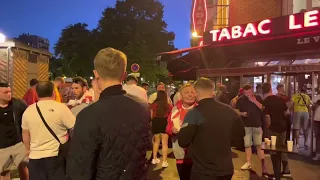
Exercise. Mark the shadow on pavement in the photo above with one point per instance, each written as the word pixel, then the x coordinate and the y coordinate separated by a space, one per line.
pixel 303 158
pixel 156 174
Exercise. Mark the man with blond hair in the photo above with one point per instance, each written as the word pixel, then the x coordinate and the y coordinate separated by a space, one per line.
pixel 210 120
pixel 111 136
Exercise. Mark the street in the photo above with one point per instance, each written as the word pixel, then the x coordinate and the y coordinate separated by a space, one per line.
pixel 302 168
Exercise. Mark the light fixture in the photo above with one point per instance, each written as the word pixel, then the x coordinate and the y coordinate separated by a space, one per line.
pixel 141 79
pixel 226 79
pixel 195 34
pixel 2 38
pixel 91 77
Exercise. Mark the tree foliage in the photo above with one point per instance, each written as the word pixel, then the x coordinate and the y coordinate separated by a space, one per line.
pixel 135 27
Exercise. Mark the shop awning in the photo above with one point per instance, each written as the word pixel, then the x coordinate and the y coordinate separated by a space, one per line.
pixel 180 51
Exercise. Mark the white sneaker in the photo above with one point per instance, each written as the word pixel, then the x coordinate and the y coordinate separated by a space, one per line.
pixel 246 166
pixel 317 158
pixel 165 164
pixel 155 161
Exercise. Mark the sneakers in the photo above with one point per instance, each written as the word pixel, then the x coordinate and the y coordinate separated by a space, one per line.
pixel 317 158
pixel 155 161
pixel 165 164
pixel 286 174
pixel 246 166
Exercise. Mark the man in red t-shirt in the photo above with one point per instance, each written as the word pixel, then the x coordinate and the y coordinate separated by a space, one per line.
pixel 31 95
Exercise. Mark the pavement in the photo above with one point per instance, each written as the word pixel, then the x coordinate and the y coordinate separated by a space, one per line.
pixel 302 168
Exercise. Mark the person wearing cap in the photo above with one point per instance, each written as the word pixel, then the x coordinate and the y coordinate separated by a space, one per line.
pixel 12 150
pixel 131 88
pixel 31 95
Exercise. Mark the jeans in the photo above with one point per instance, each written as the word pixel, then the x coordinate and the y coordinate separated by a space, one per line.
pixel 50 168
pixel 184 170
pixel 255 134
pixel 283 157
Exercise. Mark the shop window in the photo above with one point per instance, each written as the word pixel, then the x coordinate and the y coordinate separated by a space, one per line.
pixel 299 5
pixel 315 3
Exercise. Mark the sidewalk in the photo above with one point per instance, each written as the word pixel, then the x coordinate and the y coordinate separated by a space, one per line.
pixel 302 168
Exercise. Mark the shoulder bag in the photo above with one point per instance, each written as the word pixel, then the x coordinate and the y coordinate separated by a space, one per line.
pixel 63 148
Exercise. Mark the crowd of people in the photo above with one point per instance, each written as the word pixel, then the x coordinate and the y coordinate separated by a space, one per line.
pixel 103 132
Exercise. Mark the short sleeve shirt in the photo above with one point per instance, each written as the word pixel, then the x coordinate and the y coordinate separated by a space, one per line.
pixel 58 116
pixel 301 102
pixel 255 116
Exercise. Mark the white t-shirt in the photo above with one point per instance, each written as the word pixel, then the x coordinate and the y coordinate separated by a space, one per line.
pixel 137 91
pixel 59 118
pixel 153 97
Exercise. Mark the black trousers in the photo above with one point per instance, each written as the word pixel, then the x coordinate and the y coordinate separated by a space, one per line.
pixel 184 171
pixel 51 168
pixel 198 176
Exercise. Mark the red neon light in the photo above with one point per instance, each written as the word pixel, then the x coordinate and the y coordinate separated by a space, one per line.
pixel 310 19
pixel 292 24
pixel 237 32
pixel 195 6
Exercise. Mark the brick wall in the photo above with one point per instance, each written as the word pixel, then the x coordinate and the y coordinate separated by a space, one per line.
pixel 245 11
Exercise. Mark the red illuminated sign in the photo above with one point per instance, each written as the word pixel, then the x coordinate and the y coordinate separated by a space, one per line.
pixel 267 26
pixel 199 16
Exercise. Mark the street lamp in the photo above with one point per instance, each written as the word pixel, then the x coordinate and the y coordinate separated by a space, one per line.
pixel 2 38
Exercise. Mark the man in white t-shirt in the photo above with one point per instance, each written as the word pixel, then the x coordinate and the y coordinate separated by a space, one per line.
pixel 160 87
pixel 131 88
pixel 40 144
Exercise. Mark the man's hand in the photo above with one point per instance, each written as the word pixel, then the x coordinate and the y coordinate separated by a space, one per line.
pixel 244 114
pixel 252 99
pixel 175 130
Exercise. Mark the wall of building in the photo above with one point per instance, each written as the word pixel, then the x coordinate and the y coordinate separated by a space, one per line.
pixel 20 73
pixel 43 68
pixel 242 12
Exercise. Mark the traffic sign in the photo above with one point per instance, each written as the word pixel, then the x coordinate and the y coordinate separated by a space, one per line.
pixel 135 67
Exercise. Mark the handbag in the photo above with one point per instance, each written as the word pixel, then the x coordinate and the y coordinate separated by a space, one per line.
pixel 63 148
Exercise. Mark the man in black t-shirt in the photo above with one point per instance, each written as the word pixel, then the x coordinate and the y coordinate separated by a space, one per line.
pixel 275 109
pixel 12 150
pixel 249 108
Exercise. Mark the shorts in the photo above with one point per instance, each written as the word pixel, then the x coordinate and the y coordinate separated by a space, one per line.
pixel 159 125
pixel 253 134
pixel 12 156
pixel 300 118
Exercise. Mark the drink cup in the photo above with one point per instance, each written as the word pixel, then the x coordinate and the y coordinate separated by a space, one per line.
pixel 290 146
pixel 273 140
pixel 266 139
pixel 268 142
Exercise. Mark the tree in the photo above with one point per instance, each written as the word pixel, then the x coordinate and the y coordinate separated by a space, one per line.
pixel 135 27
pixel 75 49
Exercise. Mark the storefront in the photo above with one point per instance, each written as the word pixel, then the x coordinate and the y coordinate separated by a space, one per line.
pixel 255 52
pixel 279 50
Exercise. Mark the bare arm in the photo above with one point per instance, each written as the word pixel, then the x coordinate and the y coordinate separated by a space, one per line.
pixel 26 140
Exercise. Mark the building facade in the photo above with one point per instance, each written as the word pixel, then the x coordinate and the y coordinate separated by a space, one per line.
pixel 20 63
pixel 34 41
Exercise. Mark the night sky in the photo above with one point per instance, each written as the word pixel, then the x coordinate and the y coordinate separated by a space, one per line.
pixel 47 18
